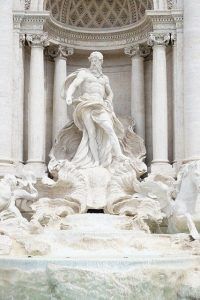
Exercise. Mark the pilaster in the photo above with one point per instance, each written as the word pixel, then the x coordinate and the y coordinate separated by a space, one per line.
pixel 6 86
pixel 191 79
pixel 18 92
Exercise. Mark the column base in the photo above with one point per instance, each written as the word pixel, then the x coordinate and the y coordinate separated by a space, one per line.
pixel 38 168
pixel 162 167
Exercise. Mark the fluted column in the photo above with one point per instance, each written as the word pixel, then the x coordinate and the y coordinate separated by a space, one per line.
pixel 192 79
pixel 6 85
pixel 36 104
pixel 137 88
pixel 60 116
pixel 160 163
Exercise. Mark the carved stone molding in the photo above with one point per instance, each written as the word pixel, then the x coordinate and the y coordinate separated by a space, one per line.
pixel 59 51
pixel 37 40
pixel 99 39
pixel 159 39
pixel 30 22
pixel 162 21
pixel 178 18
pixel 17 20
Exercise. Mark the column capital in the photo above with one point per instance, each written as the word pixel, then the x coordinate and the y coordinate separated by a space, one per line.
pixel 37 39
pixel 173 39
pixel 159 39
pixel 137 50
pixel 22 39
pixel 133 50
pixel 60 51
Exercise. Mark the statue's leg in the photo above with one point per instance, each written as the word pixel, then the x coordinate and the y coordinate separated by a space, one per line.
pixel 90 127
pixel 108 128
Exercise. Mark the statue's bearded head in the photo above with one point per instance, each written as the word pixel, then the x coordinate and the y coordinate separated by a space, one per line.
pixel 96 60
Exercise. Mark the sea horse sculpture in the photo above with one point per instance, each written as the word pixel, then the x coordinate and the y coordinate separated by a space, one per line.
pixel 13 188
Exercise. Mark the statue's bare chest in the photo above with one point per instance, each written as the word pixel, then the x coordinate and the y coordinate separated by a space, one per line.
pixel 91 79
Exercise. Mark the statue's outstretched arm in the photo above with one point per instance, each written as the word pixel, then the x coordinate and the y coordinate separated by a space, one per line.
pixel 73 86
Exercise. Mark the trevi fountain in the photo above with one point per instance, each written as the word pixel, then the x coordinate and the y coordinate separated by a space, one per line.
pixel 100 149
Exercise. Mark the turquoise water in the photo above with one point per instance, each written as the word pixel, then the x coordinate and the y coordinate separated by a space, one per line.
pixel 140 278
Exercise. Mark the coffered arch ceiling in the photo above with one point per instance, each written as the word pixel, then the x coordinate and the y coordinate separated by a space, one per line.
pixel 98 13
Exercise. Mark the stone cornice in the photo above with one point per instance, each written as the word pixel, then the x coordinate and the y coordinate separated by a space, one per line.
pixel 178 18
pixel 17 20
pixel 104 39
pixel 30 21
pixel 161 20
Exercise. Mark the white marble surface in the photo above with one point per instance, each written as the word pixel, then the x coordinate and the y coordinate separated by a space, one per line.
pixel 6 85
pixel 191 78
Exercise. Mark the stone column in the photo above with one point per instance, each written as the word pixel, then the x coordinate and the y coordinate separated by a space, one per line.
pixel 160 163
pixel 6 85
pixel 137 88
pixel 60 116
pixel 192 79
pixel 18 94
pixel 178 99
pixel 36 105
